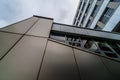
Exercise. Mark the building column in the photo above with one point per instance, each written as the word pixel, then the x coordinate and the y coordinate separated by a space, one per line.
pixel 89 13
pixel 79 11
pixel 99 14
pixel 87 2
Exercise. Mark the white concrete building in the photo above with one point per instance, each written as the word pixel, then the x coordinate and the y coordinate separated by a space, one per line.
pixel 98 15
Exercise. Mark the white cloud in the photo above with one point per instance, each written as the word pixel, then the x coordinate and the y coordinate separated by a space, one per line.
pixel 2 23
pixel 62 11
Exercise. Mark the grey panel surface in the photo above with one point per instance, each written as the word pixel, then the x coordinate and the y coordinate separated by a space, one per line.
pixel 41 28
pixel 67 29
pixel 58 38
pixel 23 61
pixel 91 67
pixel 56 27
pixel 113 66
pixel 86 32
pixel 21 27
pixel 58 63
pixel 80 31
pixel 104 34
pixel 7 40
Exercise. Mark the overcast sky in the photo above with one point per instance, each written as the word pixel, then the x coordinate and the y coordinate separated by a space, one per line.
pixel 62 11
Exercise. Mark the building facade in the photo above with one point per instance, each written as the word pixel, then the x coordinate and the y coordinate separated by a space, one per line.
pixel 98 15
pixel 39 49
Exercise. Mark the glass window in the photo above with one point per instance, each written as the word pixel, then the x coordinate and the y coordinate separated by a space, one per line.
pixel 83 6
pixel 106 15
pixel 79 16
pixel 74 21
pixel 77 23
pixel 96 9
pixel 117 28
pixel 89 23
pixel 83 19
pixel 79 5
pixel 88 8
pixel 98 28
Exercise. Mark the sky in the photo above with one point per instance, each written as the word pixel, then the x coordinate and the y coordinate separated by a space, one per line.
pixel 11 11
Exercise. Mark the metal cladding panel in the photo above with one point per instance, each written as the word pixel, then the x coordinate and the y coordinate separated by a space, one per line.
pixel 58 63
pixel 113 67
pixel 56 27
pixel 7 40
pixel 104 34
pixel 86 32
pixel 91 67
pixel 21 27
pixel 67 29
pixel 23 61
pixel 80 31
pixel 41 28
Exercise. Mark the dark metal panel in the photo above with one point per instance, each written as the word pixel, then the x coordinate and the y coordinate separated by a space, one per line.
pixel 41 28
pixel 7 40
pixel 23 61
pixel 91 67
pixel 113 66
pixel 58 63
pixel 22 26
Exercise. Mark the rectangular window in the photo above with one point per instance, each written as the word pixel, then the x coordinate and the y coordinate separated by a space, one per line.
pixel 79 17
pixel 83 19
pixel 79 5
pixel 106 15
pixel 89 23
pixel 96 9
pixel 88 8
pixel 98 28
pixel 83 7
pixel 77 23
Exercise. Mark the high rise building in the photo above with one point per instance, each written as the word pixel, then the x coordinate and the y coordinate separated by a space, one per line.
pixel 98 15
pixel 39 49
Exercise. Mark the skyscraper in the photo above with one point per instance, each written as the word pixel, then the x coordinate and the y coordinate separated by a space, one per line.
pixel 39 49
pixel 98 15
